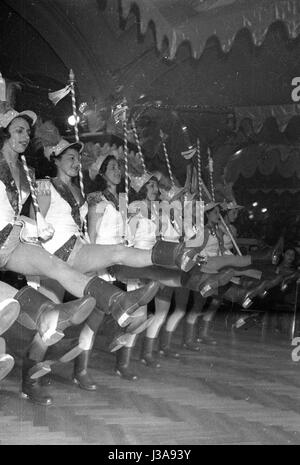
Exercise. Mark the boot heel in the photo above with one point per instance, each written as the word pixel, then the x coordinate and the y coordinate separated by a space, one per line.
pixel 247 303
pixel 207 291
pixel 51 338
pixel 124 374
pixel 39 370
pixel 119 341
pixel 75 381
pixel 187 263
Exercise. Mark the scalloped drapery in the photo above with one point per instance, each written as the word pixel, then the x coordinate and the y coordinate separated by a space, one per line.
pixel 195 21
pixel 285 159
pixel 258 114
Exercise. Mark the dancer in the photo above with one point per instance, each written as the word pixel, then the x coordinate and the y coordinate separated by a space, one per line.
pixel 38 312
pixel 62 205
pixel 144 226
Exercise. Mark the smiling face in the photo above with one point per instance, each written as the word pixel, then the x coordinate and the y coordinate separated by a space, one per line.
pixel 152 190
pixel 112 173
pixel 232 215
pixel 19 130
pixel 68 163
pixel 289 257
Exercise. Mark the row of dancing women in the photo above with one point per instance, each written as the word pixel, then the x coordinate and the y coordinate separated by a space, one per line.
pixel 76 242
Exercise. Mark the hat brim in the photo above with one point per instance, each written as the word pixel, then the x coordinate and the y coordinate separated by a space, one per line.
pixel 76 145
pixel 236 207
pixel 31 115
pixel 211 206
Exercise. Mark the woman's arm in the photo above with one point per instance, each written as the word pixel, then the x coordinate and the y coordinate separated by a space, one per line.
pixel 94 221
pixel 95 214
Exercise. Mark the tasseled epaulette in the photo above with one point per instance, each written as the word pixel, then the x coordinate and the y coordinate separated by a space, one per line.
pixel 94 198
pixel 43 187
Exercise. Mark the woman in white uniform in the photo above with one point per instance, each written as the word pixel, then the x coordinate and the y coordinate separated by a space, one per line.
pixel 21 256
pixel 213 246
pixel 145 226
pixel 62 206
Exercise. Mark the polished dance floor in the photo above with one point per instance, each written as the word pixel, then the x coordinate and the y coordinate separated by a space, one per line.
pixel 245 390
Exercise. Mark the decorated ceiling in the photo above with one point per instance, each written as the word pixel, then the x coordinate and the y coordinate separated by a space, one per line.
pixel 194 21
pixel 191 63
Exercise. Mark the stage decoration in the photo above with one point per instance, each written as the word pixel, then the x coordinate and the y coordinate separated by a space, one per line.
pixel 190 149
pixel 198 152
pixel 137 141
pixel 211 174
pixel 58 95
pixel 194 21
pixel 266 159
pixel 260 113
pixel 76 130
pixel 167 157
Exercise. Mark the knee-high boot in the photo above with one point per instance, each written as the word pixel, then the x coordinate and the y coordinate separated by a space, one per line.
pixel 268 254
pixel 205 327
pixel 204 337
pixel 73 349
pixel 81 376
pixel 171 254
pixel 50 319
pixel 147 353
pixel 9 312
pixel 206 284
pixel 123 337
pixel 245 295
pixel 6 361
pixel 123 306
pixel 189 342
pixel 165 345
pixel 62 352
pixel 123 362
pixel 31 388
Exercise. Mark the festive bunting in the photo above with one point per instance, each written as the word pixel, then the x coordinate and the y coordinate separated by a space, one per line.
pixel 58 95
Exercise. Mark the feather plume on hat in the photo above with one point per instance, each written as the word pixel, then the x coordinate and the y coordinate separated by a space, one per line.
pixel 135 166
pixel 47 135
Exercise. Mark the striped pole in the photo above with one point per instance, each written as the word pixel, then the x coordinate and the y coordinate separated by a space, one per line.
pixel 31 185
pixel 199 169
pixel 44 230
pixel 125 129
pixel 211 174
pixel 137 141
pixel 167 159
pixel 76 130
pixel 126 167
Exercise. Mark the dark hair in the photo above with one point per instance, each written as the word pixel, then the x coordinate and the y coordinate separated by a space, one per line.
pixel 52 163
pixel 294 262
pixel 100 179
pixel 5 134
pixel 54 157
pixel 142 194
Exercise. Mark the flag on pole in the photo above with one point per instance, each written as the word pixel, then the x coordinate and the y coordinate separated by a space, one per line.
pixel 58 95
pixel 188 154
